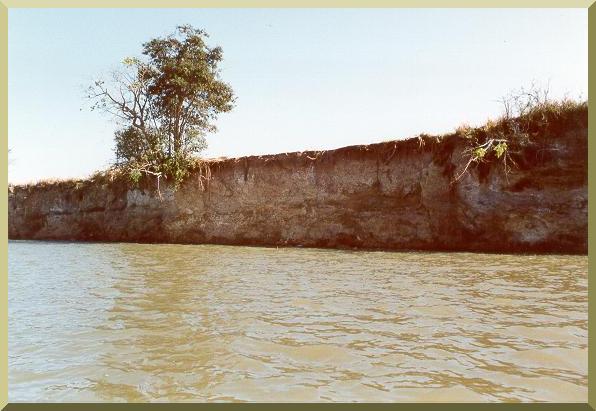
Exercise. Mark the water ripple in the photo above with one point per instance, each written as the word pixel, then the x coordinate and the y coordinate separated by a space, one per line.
pixel 133 322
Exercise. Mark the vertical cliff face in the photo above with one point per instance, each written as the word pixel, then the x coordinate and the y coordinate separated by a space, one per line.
pixel 393 195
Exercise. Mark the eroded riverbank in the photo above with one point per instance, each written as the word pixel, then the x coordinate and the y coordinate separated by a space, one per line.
pixel 395 195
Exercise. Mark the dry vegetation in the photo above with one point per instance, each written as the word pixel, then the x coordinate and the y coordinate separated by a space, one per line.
pixel 529 121
pixel 529 124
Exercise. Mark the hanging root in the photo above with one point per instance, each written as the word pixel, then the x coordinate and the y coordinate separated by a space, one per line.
pixel 478 154
pixel 204 174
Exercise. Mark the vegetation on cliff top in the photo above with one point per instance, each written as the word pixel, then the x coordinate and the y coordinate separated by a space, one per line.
pixel 524 134
pixel 165 104
pixel 530 118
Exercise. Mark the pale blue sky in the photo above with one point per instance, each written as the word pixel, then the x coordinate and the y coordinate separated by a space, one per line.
pixel 304 79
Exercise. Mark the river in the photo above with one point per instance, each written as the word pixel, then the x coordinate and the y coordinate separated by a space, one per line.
pixel 139 322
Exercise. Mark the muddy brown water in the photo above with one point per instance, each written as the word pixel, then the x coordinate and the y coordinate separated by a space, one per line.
pixel 138 322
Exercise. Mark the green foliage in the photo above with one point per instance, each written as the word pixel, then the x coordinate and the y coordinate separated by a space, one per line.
pixel 529 118
pixel 178 167
pixel 134 145
pixel 135 175
pixel 185 83
pixel 165 103
pixel 500 149
pixel 479 153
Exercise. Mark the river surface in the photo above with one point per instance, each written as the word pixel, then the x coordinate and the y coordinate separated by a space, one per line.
pixel 135 322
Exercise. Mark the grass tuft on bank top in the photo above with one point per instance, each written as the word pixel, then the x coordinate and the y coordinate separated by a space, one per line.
pixel 530 122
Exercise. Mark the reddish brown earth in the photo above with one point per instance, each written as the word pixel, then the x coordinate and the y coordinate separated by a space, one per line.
pixel 395 195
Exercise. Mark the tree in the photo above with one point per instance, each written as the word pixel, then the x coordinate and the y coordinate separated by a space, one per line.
pixel 165 103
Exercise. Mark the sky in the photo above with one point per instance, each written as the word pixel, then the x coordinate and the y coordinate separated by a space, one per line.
pixel 305 79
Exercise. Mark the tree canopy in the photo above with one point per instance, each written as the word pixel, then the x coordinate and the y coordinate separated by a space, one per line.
pixel 165 102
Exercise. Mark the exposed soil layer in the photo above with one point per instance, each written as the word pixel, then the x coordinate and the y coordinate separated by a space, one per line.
pixel 394 195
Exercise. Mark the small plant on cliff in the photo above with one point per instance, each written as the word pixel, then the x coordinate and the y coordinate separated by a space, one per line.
pixel 165 104
pixel 528 114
